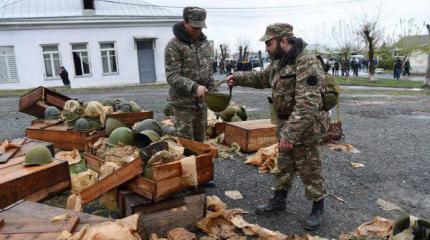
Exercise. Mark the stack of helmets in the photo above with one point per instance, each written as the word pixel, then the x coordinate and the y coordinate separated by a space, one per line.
pixel 147 132
pixel 122 105
pixel 112 124
pixel 82 125
pixel 72 111
pixel 52 113
pixel 234 114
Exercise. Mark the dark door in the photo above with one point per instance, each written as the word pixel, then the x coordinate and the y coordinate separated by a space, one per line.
pixel 145 57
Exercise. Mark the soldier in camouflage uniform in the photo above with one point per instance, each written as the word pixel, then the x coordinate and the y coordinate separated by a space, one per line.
pixel 188 59
pixel 296 95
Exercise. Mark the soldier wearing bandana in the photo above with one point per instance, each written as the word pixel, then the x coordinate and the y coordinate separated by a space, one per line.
pixel 296 81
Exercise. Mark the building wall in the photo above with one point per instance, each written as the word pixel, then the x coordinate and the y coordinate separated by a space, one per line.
pixel 418 62
pixel 29 58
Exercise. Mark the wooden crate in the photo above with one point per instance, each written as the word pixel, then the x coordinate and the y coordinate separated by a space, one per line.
pixel 250 135
pixel 37 100
pixel 62 136
pixel 120 176
pixel 183 210
pixel 31 220
pixel 133 117
pixel 31 182
pixel 167 178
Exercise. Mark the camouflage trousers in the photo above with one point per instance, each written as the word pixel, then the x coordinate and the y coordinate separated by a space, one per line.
pixel 303 160
pixel 190 123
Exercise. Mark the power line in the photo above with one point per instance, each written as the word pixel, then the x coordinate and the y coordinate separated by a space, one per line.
pixel 236 8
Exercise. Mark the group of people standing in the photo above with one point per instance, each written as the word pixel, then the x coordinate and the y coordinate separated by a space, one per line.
pixel 399 66
pixel 296 79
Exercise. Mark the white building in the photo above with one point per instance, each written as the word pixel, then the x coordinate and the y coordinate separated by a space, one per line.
pixel 99 42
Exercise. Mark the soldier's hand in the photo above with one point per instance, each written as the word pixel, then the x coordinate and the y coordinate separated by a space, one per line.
pixel 230 80
pixel 201 91
pixel 285 145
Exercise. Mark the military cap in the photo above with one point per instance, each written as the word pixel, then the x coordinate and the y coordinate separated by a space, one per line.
pixel 196 16
pixel 277 30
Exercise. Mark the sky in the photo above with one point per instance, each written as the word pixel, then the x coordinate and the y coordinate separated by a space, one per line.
pixel 313 20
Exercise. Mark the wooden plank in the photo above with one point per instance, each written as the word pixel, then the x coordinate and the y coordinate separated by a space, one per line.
pixel 142 186
pixel 73 222
pixel 18 181
pixel 122 175
pixel 165 171
pixel 168 187
pixel 93 162
pixel 35 217
pixel 1 222
pixel 44 193
pixel 35 101
pixel 9 154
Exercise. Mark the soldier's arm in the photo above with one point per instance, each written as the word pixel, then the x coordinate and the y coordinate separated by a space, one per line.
pixel 172 59
pixel 309 74
pixel 255 79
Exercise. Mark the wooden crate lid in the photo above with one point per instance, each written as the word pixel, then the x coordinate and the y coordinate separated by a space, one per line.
pixel 252 124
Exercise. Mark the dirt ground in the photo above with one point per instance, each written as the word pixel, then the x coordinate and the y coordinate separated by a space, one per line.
pixel 392 134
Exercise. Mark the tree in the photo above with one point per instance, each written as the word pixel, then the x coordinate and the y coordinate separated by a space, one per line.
pixel 405 37
pixel 371 32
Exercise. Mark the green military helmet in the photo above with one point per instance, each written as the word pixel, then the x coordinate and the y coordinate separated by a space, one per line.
pixel 235 118
pixel 228 113
pixel 168 110
pixel 94 123
pixel 124 107
pixel 82 125
pixel 242 114
pixel 108 102
pixel 146 137
pixel 148 124
pixel 52 112
pixel 38 155
pixel 121 135
pixel 71 118
pixel 112 124
pixel 217 101
pixel 135 107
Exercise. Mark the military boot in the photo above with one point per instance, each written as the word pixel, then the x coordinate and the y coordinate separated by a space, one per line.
pixel 315 219
pixel 277 203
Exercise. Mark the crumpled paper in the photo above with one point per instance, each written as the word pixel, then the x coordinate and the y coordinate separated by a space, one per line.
pixel 120 229
pixel 6 145
pixel 189 171
pixel 71 106
pixel 61 217
pixel 344 147
pixel 265 159
pixel 97 109
pixel 180 234
pixel 72 157
pixel 83 180
pixel 120 154
pixel 378 227
pixel 74 202
pixel 107 169
pixel 221 222
pixel 235 195
pixel 224 151
pixel 175 147
pixel 388 206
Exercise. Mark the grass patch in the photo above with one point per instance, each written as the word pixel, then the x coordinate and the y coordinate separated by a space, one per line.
pixel 384 82
pixel 387 92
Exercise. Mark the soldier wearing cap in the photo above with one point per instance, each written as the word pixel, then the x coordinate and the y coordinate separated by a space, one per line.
pixel 188 65
pixel 295 78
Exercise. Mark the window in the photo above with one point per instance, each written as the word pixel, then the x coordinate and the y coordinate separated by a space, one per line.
pixel 8 72
pixel 51 58
pixel 109 59
pixel 80 59
pixel 88 4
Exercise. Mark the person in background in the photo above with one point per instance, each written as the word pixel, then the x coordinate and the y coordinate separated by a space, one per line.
pixel 64 75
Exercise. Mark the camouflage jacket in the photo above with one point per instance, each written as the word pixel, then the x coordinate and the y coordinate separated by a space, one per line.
pixel 188 64
pixel 296 94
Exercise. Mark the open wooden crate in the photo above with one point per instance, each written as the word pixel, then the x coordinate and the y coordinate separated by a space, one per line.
pixel 37 100
pixel 167 178
pixel 132 117
pixel 120 176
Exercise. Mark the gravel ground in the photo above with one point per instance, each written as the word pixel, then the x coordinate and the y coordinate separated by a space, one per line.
pixel 391 132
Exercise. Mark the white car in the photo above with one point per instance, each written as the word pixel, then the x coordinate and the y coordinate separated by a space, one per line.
pixel 379 70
